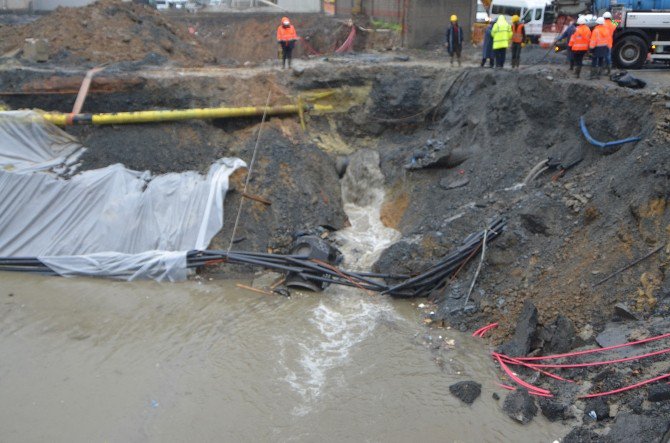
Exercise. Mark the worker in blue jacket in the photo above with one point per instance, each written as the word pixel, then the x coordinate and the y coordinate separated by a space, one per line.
pixel 454 40
pixel 566 35
pixel 487 46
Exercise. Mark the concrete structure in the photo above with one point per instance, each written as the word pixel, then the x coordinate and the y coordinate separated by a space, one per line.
pixel 427 20
pixel 300 5
pixel 424 21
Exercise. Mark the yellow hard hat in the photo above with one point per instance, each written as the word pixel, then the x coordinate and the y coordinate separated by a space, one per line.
pixel 515 18
pixel 454 18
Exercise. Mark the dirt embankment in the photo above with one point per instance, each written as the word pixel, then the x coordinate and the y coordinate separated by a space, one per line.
pixel 109 31
pixel 133 35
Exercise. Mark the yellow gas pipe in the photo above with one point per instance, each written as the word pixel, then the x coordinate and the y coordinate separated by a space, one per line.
pixel 119 118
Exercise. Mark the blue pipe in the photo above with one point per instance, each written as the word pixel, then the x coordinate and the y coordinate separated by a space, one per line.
pixel 604 145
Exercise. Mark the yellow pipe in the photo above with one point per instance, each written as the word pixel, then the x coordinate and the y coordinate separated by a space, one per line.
pixel 119 118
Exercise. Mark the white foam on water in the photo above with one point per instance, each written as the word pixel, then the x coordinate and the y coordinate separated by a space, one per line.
pixel 336 327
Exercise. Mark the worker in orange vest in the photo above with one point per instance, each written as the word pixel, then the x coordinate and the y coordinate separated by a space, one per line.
pixel 518 39
pixel 579 44
pixel 600 44
pixel 286 37
pixel 612 27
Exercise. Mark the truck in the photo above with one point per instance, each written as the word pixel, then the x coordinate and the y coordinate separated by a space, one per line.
pixel 643 27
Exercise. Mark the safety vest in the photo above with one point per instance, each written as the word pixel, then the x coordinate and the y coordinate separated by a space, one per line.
pixel 600 37
pixel 501 33
pixel 517 33
pixel 580 39
pixel 286 34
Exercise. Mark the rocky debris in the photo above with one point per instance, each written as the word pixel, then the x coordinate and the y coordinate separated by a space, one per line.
pixel 659 392
pixel 631 427
pixel 524 333
pixel 466 391
pixel 534 223
pixel 559 336
pixel 520 406
pixel 454 182
pixel 597 408
pixel 624 312
pixel 437 154
pixel 555 409
pixel 582 435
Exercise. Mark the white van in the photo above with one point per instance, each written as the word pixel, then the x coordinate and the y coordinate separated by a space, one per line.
pixel 539 14
pixel 482 16
pixel 508 8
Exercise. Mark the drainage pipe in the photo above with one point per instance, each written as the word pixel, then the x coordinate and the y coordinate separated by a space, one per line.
pixel 119 118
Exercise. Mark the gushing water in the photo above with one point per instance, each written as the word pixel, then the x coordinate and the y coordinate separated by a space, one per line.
pixel 346 317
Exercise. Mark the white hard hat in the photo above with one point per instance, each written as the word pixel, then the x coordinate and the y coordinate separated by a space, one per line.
pixel 607 15
pixel 600 21
pixel 581 20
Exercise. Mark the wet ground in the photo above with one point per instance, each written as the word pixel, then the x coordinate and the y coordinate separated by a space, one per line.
pixel 95 360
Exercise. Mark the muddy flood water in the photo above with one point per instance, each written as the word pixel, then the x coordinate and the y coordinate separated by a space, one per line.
pixel 98 360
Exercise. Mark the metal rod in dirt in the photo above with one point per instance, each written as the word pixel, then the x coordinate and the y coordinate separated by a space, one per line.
pixel 479 267
pixel 629 265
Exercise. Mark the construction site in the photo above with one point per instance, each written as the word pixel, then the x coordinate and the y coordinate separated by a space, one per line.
pixel 351 248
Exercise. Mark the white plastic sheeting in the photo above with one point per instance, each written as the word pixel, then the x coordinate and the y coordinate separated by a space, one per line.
pixel 111 222
pixel 28 144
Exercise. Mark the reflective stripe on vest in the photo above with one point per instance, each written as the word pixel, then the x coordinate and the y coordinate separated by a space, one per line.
pixel 600 37
pixel 517 33
pixel 580 39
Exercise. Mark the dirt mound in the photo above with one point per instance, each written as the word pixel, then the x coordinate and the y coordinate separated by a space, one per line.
pixel 109 31
pixel 241 38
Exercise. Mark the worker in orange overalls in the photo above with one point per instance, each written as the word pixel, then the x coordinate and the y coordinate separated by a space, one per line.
pixel 612 27
pixel 579 43
pixel 600 44
pixel 518 39
pixel 286 37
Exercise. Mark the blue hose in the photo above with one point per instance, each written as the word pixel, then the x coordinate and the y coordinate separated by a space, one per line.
pixel 604 145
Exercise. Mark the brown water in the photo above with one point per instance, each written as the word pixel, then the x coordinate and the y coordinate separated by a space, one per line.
pixel 98 360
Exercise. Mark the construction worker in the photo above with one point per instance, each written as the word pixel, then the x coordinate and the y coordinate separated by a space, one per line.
pixel 518 39
pixel 579 44
pixel 501 34
pixel 487 46
pixel 454 40
pixel 566 35
pixel 600 44
pixel 612 27
pixel 286 37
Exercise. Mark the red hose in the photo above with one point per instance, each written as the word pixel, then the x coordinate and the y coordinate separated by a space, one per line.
pixel 518 380
pixel 600 363
pixel 517 362
pixel 512 388
pixel 481 331
pixel 348 43
pixel 626 388
pixel 591 351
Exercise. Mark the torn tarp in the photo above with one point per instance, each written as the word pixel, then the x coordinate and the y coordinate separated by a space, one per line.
pixel 111 222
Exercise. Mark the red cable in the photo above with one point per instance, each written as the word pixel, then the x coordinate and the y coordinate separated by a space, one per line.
pixel 600 363
pixel 626 388
pixel 512 388
pixel 517 362
pixel 519 380
pixel 481 331
pixel 591 351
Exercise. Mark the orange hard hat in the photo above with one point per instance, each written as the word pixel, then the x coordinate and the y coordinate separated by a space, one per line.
pixel 285 21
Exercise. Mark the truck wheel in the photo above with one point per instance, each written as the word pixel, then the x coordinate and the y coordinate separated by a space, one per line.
pixel 630 52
